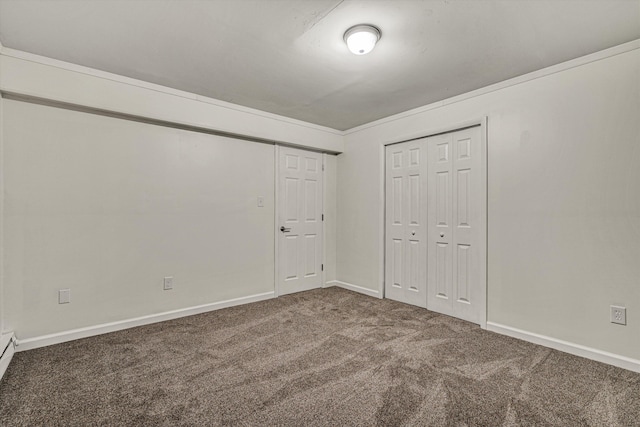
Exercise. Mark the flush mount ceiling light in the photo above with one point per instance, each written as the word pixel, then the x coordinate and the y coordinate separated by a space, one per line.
pixel 361 39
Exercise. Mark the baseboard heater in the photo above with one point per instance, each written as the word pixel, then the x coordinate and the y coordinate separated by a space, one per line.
pixel 7 348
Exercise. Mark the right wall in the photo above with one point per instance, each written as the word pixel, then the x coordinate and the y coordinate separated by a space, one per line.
pixel 563 198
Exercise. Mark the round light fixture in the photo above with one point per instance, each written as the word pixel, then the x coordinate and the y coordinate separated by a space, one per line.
pixel 361 39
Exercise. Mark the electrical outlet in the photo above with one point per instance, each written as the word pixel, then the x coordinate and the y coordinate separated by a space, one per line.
pixel 168 283
pixel 618 315
pixel 64 296
pixel 260 202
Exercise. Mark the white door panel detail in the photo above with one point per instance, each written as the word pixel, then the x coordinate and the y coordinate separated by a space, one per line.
pixel 310 254
pixel 312 164
pixel 396 266
pixel 291 195
pixel 462 279
pixel 291 257
pixel 462 211
pixel 310 200
pixel 396 196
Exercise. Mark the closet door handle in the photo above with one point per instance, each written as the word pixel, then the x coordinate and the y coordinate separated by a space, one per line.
pixel 284 229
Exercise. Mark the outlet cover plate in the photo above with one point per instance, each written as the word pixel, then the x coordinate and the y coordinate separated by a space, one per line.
pixel 168 283
pixel 618 315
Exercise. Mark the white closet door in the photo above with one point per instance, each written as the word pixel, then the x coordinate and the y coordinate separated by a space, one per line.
pixel 299 220
pixel 406 216
pixel 456 225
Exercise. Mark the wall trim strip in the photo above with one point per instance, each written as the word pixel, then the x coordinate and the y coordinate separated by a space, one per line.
pixel 89 331
pixel 567 347
pixel 355 288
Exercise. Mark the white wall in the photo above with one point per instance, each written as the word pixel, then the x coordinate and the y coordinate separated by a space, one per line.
pixel 563 199
pixel 108 207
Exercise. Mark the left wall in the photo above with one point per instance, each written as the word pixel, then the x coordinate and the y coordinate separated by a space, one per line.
pixel 108 207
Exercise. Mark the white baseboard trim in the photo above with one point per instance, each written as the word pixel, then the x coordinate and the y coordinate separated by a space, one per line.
pixel 60 337
pixel 354 288
pixel 567 347
pixel 7 349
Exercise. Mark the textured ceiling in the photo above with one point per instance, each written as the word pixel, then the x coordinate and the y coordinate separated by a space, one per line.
pixel 288 57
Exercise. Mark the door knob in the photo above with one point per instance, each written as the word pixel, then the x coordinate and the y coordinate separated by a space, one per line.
pixel 284 229
pixel 441 234
pixel 413 233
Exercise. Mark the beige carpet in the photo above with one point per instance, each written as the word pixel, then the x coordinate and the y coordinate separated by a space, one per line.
pixel 325 357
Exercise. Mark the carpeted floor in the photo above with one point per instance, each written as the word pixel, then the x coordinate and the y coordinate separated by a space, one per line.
pixel 325 357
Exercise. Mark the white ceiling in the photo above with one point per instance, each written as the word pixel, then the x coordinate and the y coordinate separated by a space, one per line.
pixel 288 57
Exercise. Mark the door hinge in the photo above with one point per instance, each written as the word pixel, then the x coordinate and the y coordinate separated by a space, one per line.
pixel 321 267
pixel 323 167
pixel 323 217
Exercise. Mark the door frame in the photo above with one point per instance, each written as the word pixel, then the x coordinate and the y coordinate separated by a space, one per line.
pixel 276 222
pixel 482 122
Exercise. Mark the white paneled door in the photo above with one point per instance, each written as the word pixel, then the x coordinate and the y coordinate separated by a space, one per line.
pixel 457 225
pixel 406 223
pixel 299 220
pixel 436 224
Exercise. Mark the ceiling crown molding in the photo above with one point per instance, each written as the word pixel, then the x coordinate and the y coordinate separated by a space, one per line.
pixel 547 71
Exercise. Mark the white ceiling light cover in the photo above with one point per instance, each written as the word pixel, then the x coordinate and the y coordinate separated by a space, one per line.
pixel 361 39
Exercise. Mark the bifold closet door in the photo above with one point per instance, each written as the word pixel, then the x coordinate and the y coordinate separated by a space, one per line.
pixel 456 252
pixel 406 216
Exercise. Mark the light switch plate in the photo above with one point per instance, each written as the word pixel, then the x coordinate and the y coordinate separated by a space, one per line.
pixel 260 202
pixel 64 296
pixel 168 283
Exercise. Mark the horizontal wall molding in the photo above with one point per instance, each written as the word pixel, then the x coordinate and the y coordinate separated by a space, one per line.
pixel 567 347
pixel 36 77
pixel 156 87
pixel 553 69
pixel 74 334
pixel 139 119
pixel 355 288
